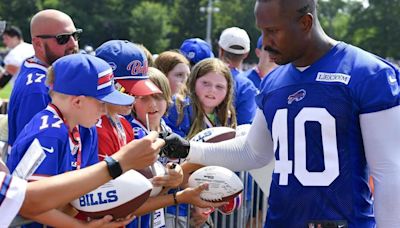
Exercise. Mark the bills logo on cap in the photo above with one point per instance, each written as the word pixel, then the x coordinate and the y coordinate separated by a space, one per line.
pixel 105 79
pixel 137 67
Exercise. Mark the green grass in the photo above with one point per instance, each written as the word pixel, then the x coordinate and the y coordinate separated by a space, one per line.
pixel 6 92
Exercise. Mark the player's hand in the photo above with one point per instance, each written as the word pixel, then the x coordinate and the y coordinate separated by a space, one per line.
pixel 107 222
pixel 175 145
pixel 192 196
pixel 140 153
pixel 173 177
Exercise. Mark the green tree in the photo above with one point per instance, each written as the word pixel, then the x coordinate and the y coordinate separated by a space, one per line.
pixel 239 13
pixel 376 28
pixel 149 24
pixel 187 21
pixel 19 13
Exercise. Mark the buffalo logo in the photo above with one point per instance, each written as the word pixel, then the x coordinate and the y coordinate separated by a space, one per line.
pixel 137 68
pixel 191 55
pixel 297 96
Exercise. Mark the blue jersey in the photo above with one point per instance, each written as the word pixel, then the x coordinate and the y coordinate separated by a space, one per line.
pixel 172 117
pixel 52 134
pixel 244 98
pixel 254 76
pixel 28 97
pixel 321 170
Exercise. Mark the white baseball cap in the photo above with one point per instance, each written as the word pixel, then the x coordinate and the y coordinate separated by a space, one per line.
pixel 235 40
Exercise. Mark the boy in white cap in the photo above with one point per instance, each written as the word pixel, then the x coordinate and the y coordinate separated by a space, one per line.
pixel 234 46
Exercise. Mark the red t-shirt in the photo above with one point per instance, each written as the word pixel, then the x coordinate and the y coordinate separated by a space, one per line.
pixel 109 139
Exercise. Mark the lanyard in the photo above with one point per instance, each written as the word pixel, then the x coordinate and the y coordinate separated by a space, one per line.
pixel 118 130
pixel 74 138
pixel 210 123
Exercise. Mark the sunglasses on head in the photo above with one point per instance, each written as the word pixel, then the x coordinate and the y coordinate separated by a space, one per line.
pixel 62 38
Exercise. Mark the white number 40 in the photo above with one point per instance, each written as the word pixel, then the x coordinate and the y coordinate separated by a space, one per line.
pixel 284 166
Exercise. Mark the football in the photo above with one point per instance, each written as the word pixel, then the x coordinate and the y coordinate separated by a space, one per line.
pixel 157 169
pixel 214 134
pixel 223 184
pixel 119 197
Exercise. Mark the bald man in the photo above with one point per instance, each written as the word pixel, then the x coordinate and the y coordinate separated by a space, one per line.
pixel 53 36
pixel 329 116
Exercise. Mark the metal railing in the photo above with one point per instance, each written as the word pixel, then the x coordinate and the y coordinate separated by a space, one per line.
pixel 251 214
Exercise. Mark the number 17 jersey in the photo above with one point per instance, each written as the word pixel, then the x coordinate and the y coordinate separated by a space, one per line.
pixel 321 174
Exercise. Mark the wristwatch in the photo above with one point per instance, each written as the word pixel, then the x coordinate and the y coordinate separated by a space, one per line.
pixel 114 168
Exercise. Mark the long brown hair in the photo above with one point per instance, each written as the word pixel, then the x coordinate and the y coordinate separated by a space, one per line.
pixel 225 111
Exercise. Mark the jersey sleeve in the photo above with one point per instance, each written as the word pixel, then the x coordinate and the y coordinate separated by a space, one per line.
pixel 379 91
pixel 12 194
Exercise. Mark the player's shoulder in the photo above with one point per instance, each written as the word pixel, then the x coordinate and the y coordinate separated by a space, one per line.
pixel 360 63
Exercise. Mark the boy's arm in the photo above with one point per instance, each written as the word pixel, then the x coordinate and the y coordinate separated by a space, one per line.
pixel 57 218
pixel 44 194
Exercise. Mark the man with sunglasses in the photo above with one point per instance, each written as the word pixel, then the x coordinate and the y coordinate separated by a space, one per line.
pixel 53 36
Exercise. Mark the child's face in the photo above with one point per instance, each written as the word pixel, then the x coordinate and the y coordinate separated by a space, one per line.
pixel 177 77
pixel 90 112
pixel 211 89
pixel 155 105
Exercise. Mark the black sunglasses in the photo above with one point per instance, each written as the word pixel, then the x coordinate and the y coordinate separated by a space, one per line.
pixel 62 38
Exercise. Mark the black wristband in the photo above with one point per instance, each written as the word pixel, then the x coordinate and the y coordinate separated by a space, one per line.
pixel 114 167
pixel 175 200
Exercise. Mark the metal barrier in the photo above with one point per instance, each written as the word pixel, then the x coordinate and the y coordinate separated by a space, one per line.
pixel 255 217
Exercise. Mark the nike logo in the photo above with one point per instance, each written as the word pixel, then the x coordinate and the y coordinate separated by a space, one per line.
pixel 50 150
pixel 340 226
pixel 392 79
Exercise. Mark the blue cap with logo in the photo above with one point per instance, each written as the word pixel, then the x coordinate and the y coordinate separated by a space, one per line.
pixel 260 42
pixel 196 49
pixel 129 64
pixel 82 74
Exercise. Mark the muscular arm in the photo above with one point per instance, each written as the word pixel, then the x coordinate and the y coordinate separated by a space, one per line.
pixel 381 131
pixel 253 151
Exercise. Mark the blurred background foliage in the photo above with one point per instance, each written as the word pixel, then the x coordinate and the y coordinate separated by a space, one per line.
pixel 163 24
